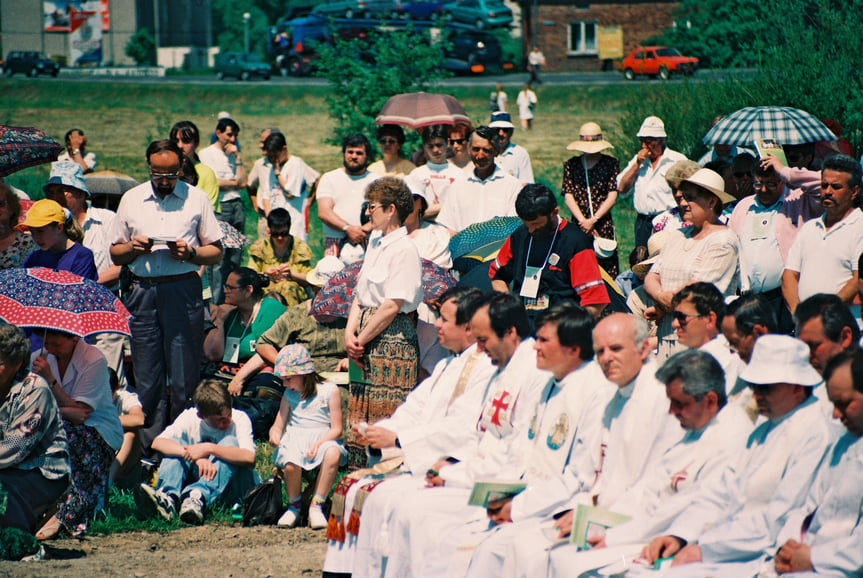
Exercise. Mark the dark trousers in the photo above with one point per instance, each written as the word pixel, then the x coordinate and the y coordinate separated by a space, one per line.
pixel 643 229
pixel 28 494
pixel 234 214
pixel 167 345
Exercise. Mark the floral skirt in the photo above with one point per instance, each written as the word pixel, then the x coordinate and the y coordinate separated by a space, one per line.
pixel 90 459
pixel 390 373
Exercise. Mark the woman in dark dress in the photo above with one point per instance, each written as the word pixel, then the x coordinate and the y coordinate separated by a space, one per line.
pixel 590 188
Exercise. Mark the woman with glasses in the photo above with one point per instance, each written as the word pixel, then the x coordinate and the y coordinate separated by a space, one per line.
pixel 239 324
pixel 283 258
pixel 391 137
pixel 380 336
pixel 705 251
pixel 15 246
pixel 457 141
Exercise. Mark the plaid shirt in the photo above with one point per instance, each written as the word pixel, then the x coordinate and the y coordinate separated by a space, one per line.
pixel 31 430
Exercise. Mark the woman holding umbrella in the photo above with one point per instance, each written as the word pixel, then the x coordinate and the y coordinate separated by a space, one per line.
pixel 379 335
pixel 15 246
pixel 78 375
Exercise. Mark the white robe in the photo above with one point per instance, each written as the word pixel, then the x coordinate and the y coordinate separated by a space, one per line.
pixel 728 359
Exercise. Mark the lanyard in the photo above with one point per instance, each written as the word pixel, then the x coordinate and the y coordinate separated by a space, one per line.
pixel 245 327
pixel 547 255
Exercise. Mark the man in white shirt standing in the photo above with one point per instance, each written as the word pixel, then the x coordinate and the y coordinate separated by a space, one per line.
pixel 341 194
pixel 511 158
pixel 223 156
pixel 644 177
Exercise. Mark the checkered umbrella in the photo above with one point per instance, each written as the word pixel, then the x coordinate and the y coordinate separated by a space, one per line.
pixel 788 126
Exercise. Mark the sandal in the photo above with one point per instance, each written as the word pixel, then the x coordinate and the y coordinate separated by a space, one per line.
pixel 50 530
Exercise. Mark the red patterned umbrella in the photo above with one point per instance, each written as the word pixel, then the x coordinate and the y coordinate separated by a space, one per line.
pixel 419 109
pixel 46 299
pixel 22 147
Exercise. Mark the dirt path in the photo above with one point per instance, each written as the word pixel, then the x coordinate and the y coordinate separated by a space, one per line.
pixel 194 551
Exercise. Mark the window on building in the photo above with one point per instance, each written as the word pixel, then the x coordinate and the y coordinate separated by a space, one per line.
pixel 582 38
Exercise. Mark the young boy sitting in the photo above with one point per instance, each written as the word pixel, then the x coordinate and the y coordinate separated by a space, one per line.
pixel 204 449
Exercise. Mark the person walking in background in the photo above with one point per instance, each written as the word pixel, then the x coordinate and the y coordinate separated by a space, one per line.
pixel 497 99
pixel 526 102
pixel 535 61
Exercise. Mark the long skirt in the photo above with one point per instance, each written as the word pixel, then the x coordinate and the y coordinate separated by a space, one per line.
pixel 90 459
pixel 390 373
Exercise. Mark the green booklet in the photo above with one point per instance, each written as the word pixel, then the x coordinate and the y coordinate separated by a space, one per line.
pixel 769 145
pixel 490 490
pixel 591 522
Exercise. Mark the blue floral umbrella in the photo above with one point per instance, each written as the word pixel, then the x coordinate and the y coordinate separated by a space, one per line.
pixel 22 147
pixel 47 299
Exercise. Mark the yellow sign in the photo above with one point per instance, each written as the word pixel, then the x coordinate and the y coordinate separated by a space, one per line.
pixel 610 42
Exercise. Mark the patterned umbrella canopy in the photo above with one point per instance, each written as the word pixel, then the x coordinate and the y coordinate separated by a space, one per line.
pixel 22 147
pixel 335 298
pixel 788 126
pixel 481 234
pixel 231 237
pixel 419 109
pixel 60 300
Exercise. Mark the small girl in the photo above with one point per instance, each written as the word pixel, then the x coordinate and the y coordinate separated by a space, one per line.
pixel 310 438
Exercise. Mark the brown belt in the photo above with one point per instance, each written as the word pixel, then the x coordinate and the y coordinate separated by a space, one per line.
pixel 166 279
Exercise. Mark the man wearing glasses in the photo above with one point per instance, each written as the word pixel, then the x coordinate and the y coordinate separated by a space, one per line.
pixel 164 231
pixel 644 177
pixel 767 224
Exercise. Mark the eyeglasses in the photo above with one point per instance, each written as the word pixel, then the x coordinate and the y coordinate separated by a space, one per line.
pixel 169 176
pixel 457 141
pixel 690 196
pixel 232 287
pixel 683 318
pixel 280 234
pixel 373 207
pixel 760 186
pixel 387 140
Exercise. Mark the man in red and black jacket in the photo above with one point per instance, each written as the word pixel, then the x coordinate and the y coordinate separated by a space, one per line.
pixel 547 259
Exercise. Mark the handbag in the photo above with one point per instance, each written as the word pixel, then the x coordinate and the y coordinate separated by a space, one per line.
pixel 604 248
pixel 263 503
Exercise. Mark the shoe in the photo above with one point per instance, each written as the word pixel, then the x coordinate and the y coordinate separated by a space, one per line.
pixel 50 530
pixel 192 510
pixel 289 518
pixel 153 502
pixel 317 520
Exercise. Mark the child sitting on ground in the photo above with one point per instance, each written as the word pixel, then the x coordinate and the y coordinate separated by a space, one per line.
pixel 310 439
pixel 206 449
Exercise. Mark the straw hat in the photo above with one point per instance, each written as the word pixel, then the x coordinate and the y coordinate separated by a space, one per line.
pixel 589 140
pixel 654 247
pixel 679 171
pixel 712 182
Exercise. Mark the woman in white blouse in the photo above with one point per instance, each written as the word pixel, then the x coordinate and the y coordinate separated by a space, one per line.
pixel 707 251
pixel 380 336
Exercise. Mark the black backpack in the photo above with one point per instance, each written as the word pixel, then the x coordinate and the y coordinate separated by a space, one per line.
pixel 263 503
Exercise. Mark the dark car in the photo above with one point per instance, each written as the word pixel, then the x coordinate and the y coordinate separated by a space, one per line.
pixel 29 62
pixel 474 51
pixel 241 65
pixel 661 61
pixel 420 9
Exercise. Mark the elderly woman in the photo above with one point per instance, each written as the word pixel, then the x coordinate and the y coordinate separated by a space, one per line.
pixel 379 335
pixel 15 246
pixel 78 376
pixel 590 188
pixel 391 138
pixel 705 251
pixel 34 462
pixel 672 218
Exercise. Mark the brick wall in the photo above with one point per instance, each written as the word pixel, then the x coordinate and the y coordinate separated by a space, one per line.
pixel 638 21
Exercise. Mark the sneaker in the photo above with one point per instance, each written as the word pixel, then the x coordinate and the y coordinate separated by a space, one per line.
pixel 152 502
pixel 317 520
pixel 192 510
pixel 289 518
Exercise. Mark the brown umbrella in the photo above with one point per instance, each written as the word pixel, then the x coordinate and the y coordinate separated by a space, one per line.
pixel 109 183
pixel 419 109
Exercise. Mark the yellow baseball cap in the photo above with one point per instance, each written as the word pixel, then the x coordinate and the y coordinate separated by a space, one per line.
pixel 43 213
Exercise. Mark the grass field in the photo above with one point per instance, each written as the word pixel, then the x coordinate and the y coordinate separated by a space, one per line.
pixel 121 119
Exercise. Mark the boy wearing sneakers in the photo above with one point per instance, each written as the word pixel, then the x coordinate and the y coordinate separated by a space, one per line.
pixel 204 449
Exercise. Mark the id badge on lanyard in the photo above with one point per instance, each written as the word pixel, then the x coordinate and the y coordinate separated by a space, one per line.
pixel 232 350
pixel 530 285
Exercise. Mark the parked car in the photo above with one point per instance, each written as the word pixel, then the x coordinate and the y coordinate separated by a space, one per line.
pixel 474 51
pixel 661 61
pixel 29 62
pixel 420 9
pixel 480 13
pixel 374 9
pixel 241 65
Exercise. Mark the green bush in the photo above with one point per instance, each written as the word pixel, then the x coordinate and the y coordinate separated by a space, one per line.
pixel 141 47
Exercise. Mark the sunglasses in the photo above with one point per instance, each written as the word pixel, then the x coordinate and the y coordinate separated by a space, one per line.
pixel 682 317
pixel 169 176
pixel 387 141
pixel 280 234
pixel 457 141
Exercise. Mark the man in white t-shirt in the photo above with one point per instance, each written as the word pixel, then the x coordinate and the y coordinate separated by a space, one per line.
pixel 203 450
pixel 341 194
pixel 257 177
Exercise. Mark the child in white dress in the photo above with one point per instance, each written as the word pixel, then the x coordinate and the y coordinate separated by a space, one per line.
pixel 309 438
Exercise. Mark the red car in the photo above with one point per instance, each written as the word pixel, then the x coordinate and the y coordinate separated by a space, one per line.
pixel 660 61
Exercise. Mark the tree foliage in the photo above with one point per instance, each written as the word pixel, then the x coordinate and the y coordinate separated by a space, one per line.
pixel 229 27
pixel 141 47
pixel 365 72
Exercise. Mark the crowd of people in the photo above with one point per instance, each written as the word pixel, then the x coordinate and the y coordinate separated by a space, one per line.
pixel 711 395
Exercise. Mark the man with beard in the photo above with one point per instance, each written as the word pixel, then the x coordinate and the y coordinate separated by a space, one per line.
pixel 165 230
pixel 824 255
pixel 341 193
pixel 484 192
pixel 547 259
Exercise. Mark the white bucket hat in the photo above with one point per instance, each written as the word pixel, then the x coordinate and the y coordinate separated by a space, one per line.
pixel 652 127
pixel 324 271
pixel 780 359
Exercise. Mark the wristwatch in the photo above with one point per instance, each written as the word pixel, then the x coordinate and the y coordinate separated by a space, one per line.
pixel 345 228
